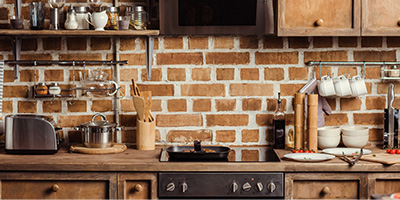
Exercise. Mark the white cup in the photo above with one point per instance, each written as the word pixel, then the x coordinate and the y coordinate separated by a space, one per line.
pixel 326 87
pixel 342 86
pixel 357 85
pixel 98 20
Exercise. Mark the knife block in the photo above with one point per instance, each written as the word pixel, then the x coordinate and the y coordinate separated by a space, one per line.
pixel 396 125
pixel 145 135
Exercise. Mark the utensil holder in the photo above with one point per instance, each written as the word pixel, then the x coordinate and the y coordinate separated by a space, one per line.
pixel 145 135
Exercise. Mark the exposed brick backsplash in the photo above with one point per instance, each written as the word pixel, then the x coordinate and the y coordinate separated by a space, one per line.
pixel 219 89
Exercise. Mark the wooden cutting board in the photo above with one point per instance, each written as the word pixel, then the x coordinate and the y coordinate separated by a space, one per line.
pixel 117 148
pixel 384 158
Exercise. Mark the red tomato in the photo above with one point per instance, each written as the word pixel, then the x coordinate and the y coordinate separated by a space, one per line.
pixel 397 151
pixel 300 151
pixel 306 151
pixel 295 151
pixel 387 150
pixel 392 151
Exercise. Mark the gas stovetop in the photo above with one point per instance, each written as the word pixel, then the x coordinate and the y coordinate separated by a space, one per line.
pixel 237 154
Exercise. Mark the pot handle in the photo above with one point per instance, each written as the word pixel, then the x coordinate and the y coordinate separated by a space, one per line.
pixel 99 114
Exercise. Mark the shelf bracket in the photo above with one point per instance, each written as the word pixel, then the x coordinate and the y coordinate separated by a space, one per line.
pixel 17 54
pixel 149 55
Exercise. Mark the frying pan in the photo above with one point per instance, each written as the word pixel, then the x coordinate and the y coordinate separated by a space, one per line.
pixel 176 152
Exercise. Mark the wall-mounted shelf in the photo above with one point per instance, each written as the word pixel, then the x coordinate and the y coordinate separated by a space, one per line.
pixel 10 32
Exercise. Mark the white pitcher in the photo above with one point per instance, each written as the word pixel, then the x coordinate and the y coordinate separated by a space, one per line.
pixel 98 20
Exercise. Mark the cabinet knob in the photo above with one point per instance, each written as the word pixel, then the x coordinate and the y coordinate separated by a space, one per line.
pixel 55 187
pixel 319 22
pixel 398 23
pixel 138 187
pixel 326 190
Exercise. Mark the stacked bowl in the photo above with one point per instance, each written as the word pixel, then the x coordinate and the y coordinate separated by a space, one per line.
pixel 355 136
pixel 328 137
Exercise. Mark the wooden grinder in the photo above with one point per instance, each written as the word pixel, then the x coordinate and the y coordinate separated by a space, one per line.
pixel 312 119
pixel 299 120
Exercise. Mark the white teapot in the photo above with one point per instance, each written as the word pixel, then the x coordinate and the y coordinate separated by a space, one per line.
pixel 98 20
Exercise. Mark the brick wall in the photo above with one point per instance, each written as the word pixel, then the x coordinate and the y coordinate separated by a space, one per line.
pixel 218 89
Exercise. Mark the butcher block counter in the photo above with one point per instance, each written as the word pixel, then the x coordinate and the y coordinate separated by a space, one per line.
pixel 133 174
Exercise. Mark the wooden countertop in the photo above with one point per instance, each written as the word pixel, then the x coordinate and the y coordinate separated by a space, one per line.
pixel 148 161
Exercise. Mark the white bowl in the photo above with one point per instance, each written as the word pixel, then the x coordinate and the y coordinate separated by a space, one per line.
pixel 329 131
pixel 328 141
pixel 355 141
pixel 355 131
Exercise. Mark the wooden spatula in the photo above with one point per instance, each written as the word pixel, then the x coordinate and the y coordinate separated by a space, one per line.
pixel 140 107
pixel 135 89
pixel 147 105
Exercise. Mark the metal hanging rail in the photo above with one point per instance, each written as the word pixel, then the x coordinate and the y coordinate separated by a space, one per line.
pixel 350 63
pixel 65 62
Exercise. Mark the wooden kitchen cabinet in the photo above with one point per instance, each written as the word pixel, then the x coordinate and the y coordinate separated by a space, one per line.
pixel 326 186
pixel 383 183
pixel 319 17
pixel 137 185
pixel 62 185
pixel 380 18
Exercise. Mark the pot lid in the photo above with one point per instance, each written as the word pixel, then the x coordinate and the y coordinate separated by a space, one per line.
pixel 101 124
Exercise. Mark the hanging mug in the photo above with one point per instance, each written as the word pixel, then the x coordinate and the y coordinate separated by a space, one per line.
pixel 326 87
pixel 342 86
pixel 98 20
pixel 358 86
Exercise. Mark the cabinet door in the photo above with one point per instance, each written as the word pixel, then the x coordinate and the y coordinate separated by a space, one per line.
pixel 319 17
pixel 383 183
pixel 137 186
pixel 325 186
pixel 58 185
pixel 380 17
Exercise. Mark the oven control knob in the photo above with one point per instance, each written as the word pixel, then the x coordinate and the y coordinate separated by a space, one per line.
pixel 271 187
pixel 170 187
pixel 184 187
pixel 234 186
pixel 260 186
pixel 246 187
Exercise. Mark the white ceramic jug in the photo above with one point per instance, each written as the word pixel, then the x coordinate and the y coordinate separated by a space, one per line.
pixel 98 20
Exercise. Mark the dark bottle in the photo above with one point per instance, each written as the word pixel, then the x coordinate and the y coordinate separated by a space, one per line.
pixel 279 125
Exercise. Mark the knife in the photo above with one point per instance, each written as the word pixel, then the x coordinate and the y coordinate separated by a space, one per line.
pixel 390 134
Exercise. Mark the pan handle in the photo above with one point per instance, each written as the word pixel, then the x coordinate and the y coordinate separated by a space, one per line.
pixel 197 145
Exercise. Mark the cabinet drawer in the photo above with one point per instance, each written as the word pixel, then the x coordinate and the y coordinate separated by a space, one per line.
pixel 62 185
pixel 381 17
pixel 137 186
pixel 319 17
pixel 326 186
pixel 54 189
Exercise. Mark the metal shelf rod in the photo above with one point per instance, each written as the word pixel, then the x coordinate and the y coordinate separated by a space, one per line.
pixel 65 62
pixel 350 63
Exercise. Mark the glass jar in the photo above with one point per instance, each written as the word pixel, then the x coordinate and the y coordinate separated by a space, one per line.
pixel 54 89
pixel 112 13
pixel 81 12
pixel 139 21
pixel 41 89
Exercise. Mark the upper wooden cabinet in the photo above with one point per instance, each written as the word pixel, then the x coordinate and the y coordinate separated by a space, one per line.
pixel 319 17
pixel 380 18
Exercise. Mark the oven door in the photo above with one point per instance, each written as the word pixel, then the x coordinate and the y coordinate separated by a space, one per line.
pixel 243 17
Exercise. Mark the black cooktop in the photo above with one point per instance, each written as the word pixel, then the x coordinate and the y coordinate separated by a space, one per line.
pixel 236 154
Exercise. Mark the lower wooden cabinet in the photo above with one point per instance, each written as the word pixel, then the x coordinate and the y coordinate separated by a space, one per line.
pixel 326 186
pixel 383 183
pixel 41 185
pixel 137 185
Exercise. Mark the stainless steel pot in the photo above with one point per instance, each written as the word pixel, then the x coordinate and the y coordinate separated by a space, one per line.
pixel 98 134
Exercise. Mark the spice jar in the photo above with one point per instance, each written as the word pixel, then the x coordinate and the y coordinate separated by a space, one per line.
pixel 41 89
pixel 112 13
pixel 54 89
pixel 139 20
pixel 72 22
pixel 394 71
pixel 81 12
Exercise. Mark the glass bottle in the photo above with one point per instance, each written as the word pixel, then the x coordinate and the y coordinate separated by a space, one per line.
pixel 279 125
pixel 71 23
pixel 140 18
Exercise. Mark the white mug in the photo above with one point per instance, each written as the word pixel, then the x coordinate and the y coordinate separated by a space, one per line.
pixel 326 87
pixel 342 86
pixel 98 20
pixel 357 85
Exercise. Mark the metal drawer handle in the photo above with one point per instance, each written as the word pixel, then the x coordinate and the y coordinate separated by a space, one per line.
pixel 138 187
pixel 55 187
pixel 326 190
pixel 319 22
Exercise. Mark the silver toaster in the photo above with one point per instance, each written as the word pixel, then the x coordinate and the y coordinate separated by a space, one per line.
pixel 31 134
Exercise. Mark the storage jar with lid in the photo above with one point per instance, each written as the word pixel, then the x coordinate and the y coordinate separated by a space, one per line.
pixel 81 12
pixel 139 20
pixel 41 89
pixel 71 23
pixel 112 13
pixel 54 89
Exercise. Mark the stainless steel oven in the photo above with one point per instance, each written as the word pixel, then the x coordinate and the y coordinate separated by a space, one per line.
pixel 244 17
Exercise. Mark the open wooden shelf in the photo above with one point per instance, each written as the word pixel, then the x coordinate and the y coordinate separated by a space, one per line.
pixel 11 32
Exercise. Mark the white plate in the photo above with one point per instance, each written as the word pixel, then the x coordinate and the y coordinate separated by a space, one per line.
pixel 308 157
pixel 347 151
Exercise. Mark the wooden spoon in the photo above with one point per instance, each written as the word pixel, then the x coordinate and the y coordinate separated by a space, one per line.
pixel 147 105
pixel 140 107
pixel 135 89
